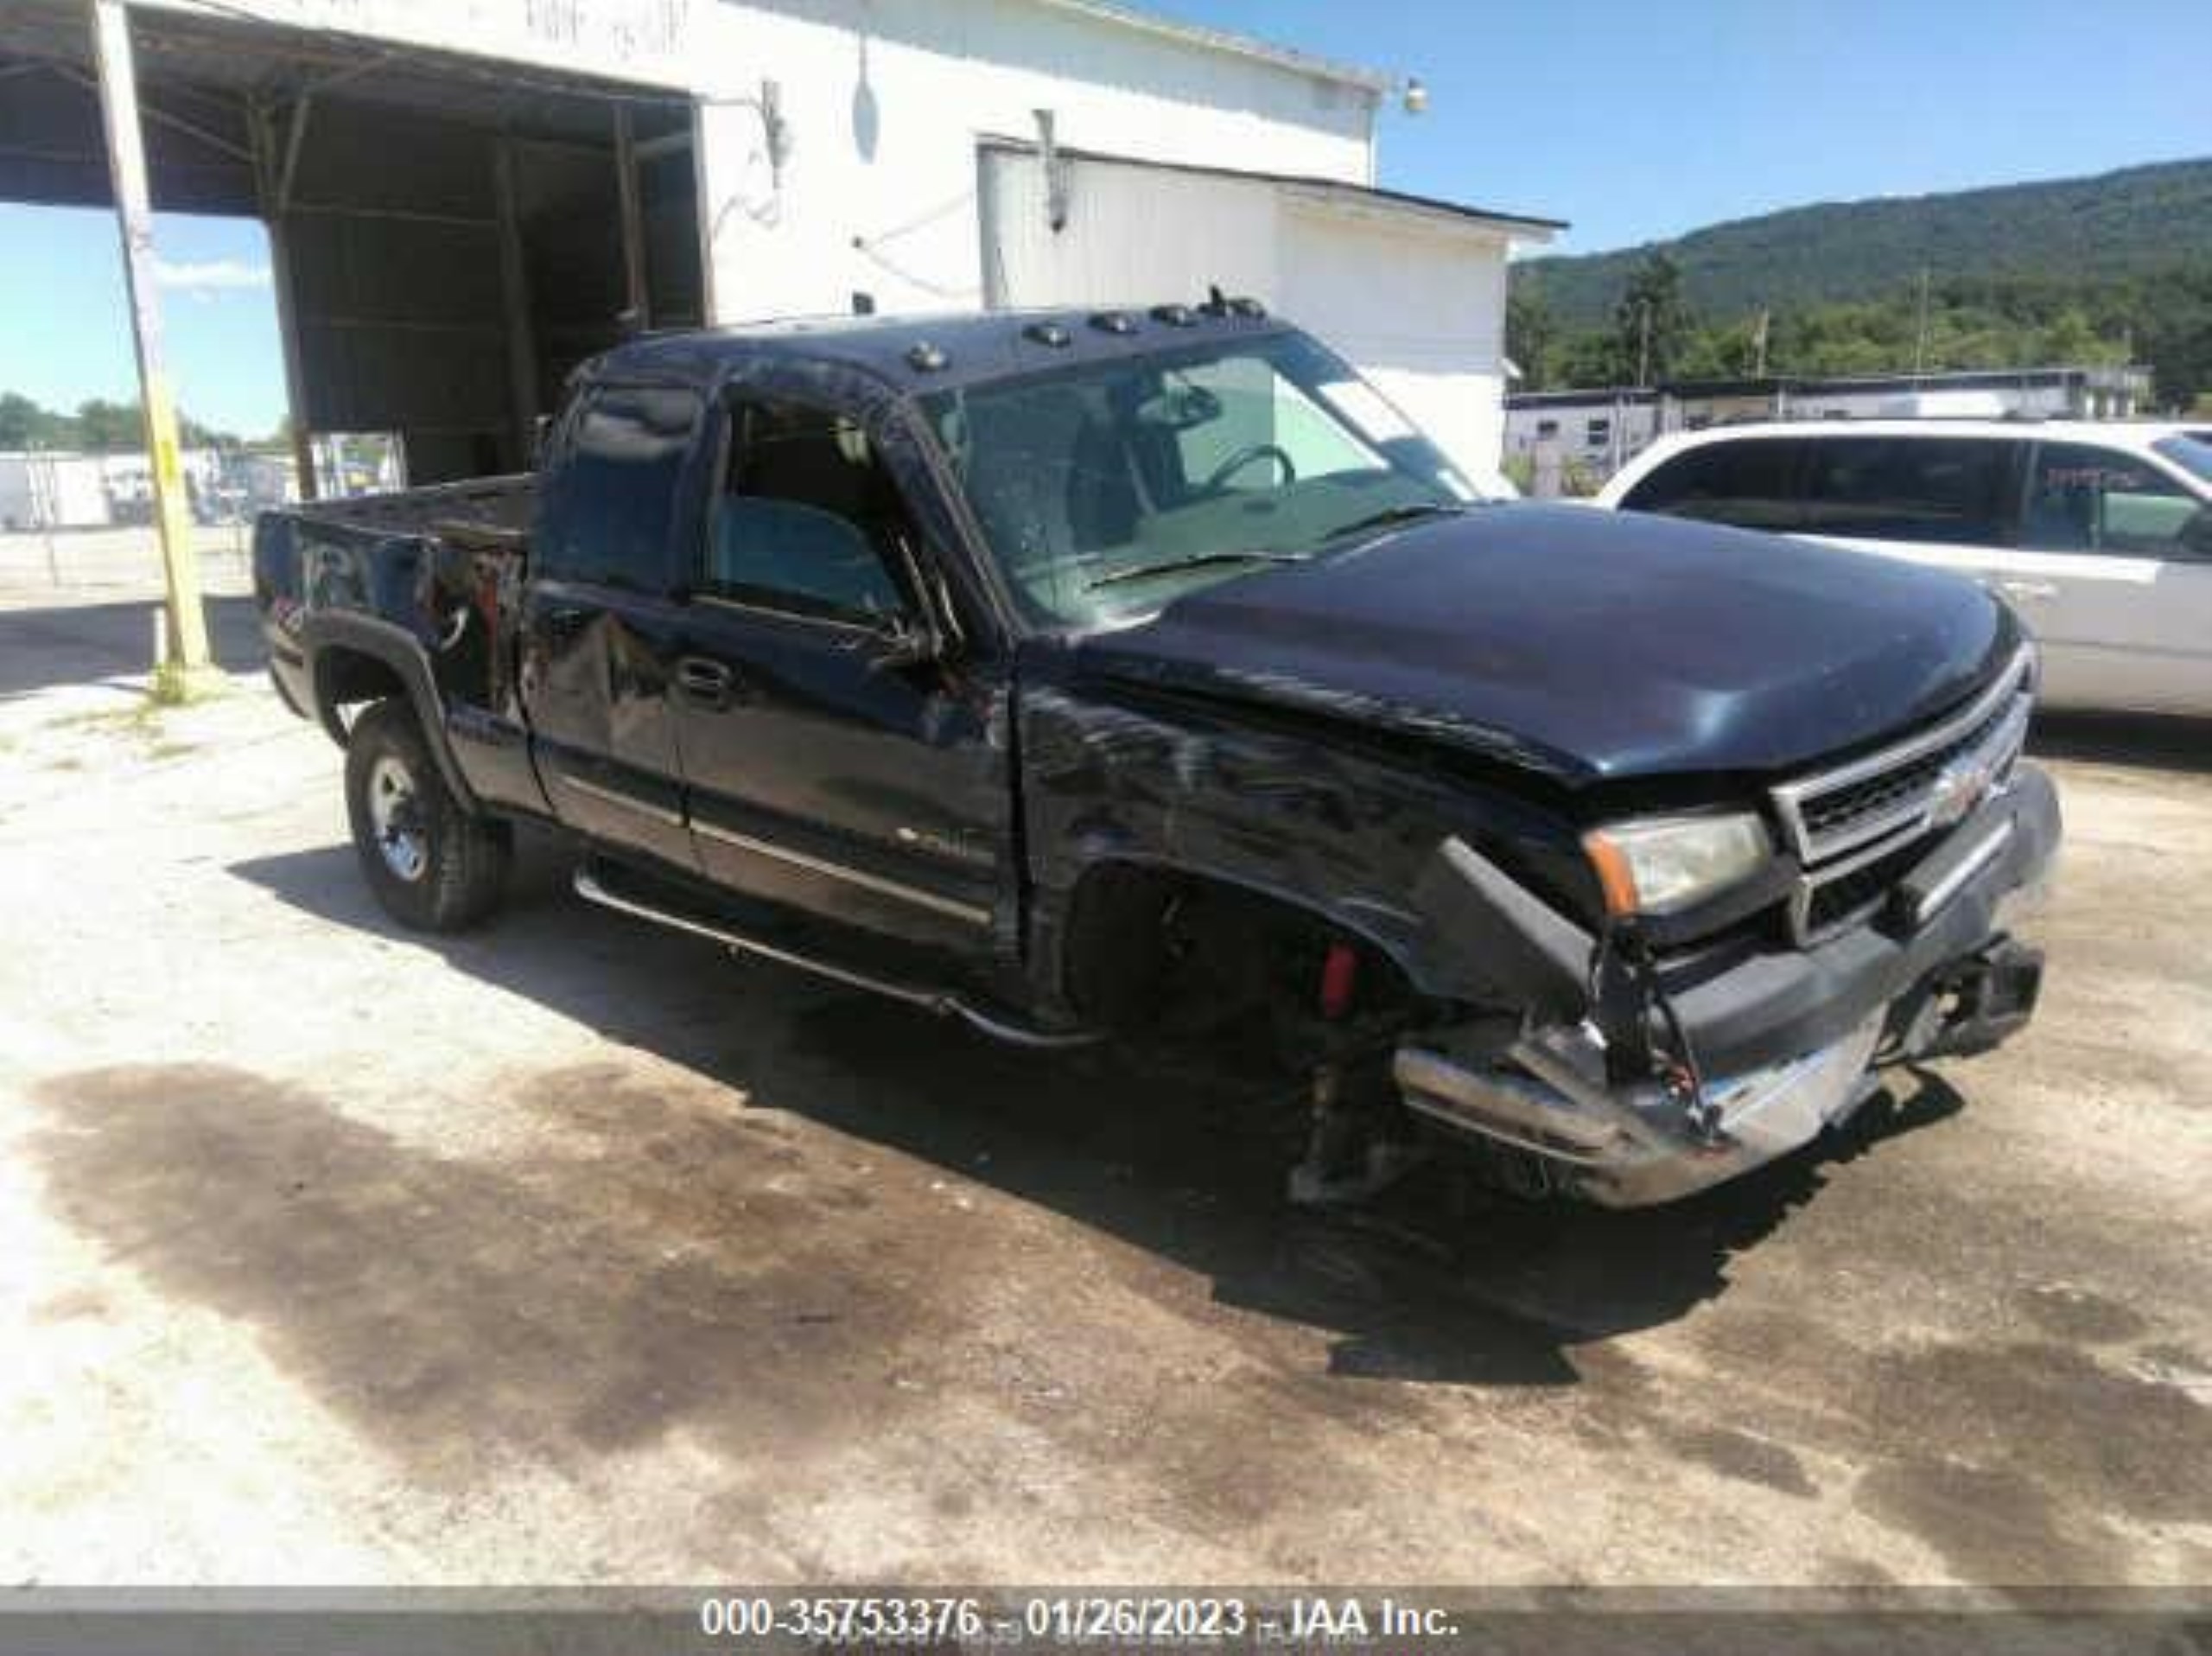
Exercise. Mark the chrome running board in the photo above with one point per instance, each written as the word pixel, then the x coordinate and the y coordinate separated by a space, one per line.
pixel 941 1002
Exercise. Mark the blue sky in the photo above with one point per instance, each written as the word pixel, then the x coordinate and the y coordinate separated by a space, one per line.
pixel 1634 121
pixel 1638 121
pixel 66 332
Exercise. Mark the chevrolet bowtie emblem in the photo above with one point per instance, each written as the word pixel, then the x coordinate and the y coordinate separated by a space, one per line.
pixel 1960 786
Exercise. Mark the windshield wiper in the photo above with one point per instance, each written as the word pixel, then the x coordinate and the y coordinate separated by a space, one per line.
pixel 1404 514
pixel 1170 566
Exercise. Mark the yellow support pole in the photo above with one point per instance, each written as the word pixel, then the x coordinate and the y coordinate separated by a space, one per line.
pixel 186 668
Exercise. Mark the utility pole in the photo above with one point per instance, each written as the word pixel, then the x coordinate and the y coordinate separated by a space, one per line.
pixel 185 667
pixel 47 503
pixel 1644 345
pixel 1758 344
pixel 1920 337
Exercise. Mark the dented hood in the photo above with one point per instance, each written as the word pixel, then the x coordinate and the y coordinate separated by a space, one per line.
pixel 1589 644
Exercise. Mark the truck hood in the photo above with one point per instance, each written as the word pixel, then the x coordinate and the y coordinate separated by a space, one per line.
pixel 1591 645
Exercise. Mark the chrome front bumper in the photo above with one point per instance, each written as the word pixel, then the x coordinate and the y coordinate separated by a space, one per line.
pixel 1790 1041
pixel 1635 1146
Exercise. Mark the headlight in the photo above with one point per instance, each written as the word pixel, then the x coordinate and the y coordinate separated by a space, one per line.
pixel 1665 864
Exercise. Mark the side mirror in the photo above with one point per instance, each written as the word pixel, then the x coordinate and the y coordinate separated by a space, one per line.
pixel 908 640
pixel 903 644
pixel 1181 408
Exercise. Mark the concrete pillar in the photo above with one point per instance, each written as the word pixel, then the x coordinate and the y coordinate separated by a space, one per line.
pixel 184 643
pixel 275 156
pixel 514 295
pixel 637 303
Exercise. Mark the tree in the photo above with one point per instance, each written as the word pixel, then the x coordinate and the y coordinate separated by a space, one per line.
pixel 193 435
pixel 1529 334
pixel 23 423
pixel 105 427
pixel 1729 351
pixel 1651 323
pixel 1591 358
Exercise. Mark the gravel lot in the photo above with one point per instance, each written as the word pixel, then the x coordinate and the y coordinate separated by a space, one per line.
pixel 571 1250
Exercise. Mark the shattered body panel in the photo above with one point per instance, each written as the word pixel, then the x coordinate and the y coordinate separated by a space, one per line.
pixel 1114 773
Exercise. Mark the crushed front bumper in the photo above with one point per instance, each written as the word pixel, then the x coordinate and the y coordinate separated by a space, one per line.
pixel 1788 1041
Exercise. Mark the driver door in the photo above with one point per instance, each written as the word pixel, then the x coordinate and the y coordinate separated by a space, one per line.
pixel 833 766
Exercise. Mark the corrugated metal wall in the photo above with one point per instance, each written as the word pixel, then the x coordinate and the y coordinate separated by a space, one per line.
pixel 402 298
pixel 1419 309
pixel 1133 235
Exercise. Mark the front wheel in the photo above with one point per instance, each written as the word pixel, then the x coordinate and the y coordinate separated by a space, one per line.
pixel 432 864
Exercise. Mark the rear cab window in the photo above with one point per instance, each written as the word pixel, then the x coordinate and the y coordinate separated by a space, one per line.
pixel 615 494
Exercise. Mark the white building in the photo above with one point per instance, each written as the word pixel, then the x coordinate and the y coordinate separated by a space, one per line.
pixel 42 490
pixel 1564 436
pixel 464 201
pixel 45 489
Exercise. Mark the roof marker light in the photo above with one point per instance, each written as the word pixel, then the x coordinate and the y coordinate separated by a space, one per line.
pixel 925 358
pixel 1113 322
pixel 1046 333
pixel 1174 316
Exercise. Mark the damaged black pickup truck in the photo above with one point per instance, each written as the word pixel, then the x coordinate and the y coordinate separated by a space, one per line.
pixel 1145 674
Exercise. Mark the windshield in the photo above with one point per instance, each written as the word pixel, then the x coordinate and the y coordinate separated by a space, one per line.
pixel 2192 453
pixel 1106 489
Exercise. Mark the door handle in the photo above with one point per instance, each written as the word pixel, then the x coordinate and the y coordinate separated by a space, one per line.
pixel 562 622
pixel 706 682
pixel 2028 589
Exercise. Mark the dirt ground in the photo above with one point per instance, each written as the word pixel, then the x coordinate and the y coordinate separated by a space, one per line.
pixel 571 1250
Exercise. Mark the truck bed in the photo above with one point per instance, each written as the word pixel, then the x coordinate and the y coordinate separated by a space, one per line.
pixel 481 509
pixel 442 564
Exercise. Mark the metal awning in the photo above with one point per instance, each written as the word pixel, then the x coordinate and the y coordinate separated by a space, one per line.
pixel 1329 192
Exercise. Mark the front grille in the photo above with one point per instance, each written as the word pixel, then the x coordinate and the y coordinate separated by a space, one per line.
pixel 1861 810
pixel 1854 894
pixel 1858 828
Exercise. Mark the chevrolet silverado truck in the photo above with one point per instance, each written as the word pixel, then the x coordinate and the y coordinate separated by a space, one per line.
pixel 1144 675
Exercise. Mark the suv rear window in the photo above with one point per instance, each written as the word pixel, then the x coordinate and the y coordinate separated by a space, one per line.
pixel 1749 483
pixel 1950 490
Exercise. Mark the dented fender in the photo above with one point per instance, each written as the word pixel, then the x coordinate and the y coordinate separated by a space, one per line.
pixel 1413 860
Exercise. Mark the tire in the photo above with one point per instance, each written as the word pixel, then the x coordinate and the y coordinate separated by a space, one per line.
pixel 433 865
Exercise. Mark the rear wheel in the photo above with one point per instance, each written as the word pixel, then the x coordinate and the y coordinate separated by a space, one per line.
pixel 432 864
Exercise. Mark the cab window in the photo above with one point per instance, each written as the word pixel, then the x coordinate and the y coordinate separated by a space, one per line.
pixel 2084 499
pixel 621 461
pixel 806 519
pixel 1751 484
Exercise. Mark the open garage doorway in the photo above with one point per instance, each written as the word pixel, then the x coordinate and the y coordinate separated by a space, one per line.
pixel 449 235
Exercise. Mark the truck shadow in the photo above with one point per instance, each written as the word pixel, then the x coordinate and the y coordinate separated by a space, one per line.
pixel 1438 1282
pixel 2150 740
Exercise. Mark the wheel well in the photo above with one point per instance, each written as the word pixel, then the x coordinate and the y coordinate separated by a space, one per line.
pixel 344 677
pixel 1152 949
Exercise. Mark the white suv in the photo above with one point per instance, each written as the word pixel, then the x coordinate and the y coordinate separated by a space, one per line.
pixel 2100 534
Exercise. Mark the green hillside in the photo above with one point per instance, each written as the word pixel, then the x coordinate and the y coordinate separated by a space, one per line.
pixel 2115 268
pixel 2127 223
